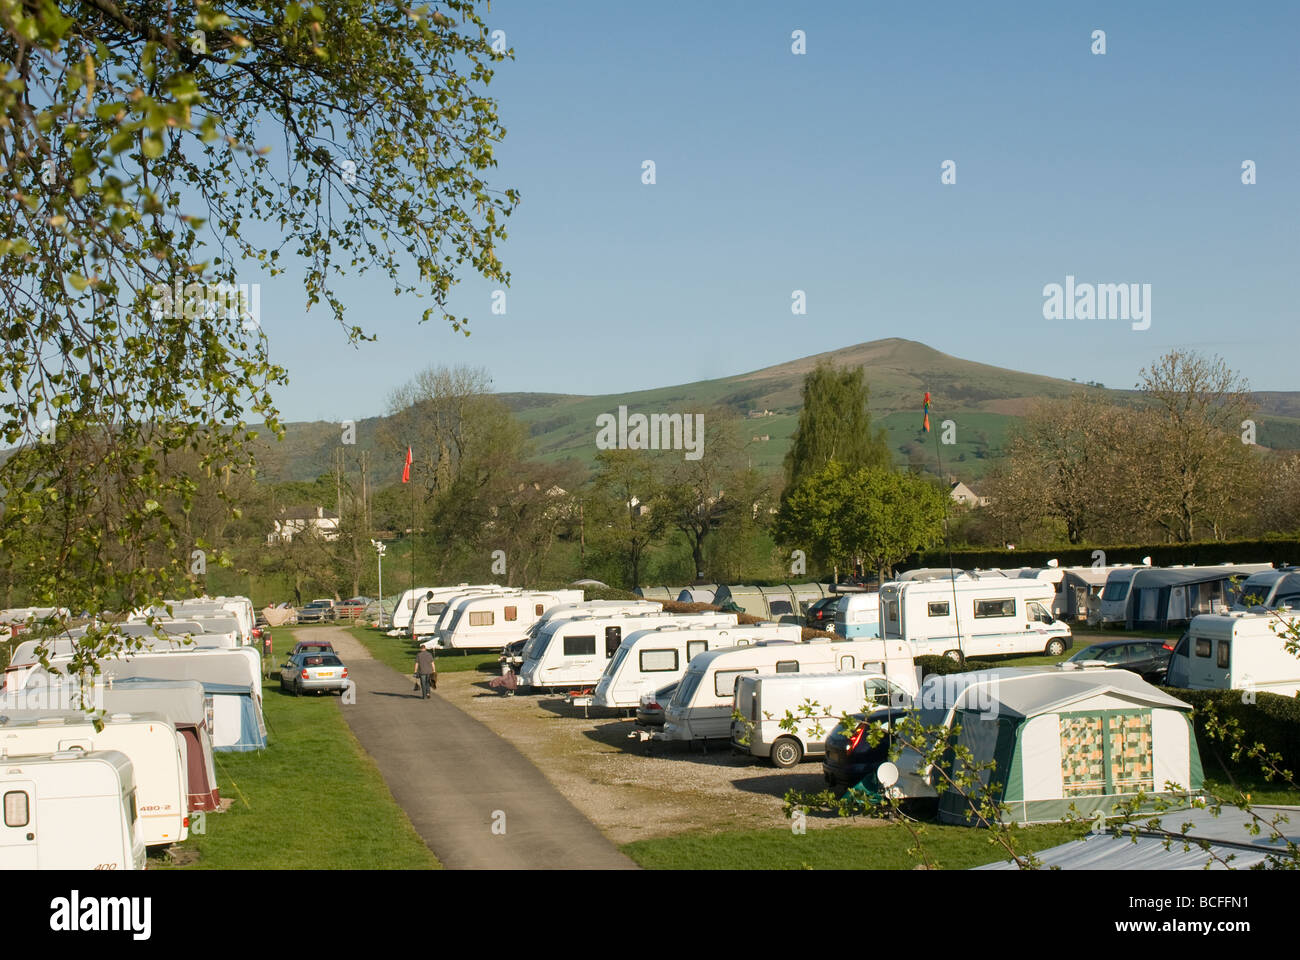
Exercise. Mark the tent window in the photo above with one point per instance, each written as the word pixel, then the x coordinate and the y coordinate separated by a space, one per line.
pixel 1225 654
pixel 779 607
pixel 511 614
pixel 481 618
pixel 1202 648
pixel 1131 767
pixel 986 609
pixel 1083 758
pixel 17 812
pixel 938 608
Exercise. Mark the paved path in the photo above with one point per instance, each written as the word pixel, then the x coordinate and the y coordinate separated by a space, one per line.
pixel 455 778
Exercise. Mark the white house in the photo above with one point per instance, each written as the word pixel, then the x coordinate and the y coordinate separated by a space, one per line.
pixel 296 520
pixel 966 496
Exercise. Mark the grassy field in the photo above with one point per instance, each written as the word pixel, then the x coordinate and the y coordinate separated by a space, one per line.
pixel 313 800
pixel 882 847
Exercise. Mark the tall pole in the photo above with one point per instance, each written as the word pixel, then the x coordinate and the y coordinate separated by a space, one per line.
pixel 379 550
pixel 412 532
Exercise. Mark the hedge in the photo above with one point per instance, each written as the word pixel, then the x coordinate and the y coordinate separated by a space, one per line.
pixel 1272 720
pixel 1277 552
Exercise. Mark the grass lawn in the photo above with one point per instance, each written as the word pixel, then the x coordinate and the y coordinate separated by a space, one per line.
pixel 399 653
pixel 875 847
pixel 313 800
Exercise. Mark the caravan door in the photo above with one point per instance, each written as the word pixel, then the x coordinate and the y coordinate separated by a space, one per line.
pixel 18 847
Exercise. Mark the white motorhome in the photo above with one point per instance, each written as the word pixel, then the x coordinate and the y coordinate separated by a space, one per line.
pixel 702 706
pixel 157 752
pixel 69 811
pixel 574 651
pixel 973 617
pixel 810 703
pixel 1237 651
pixel 432 604
pixel 858 615
pixel 649 659
pixel 491 621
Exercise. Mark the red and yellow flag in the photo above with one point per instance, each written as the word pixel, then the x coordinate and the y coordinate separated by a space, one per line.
pixel 406 467
pixel 926 424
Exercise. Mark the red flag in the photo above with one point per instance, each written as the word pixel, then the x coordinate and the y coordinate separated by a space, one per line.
pixel 406 467
pixel 926 426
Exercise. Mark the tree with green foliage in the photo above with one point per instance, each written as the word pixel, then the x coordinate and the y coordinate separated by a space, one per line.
pixel 138 157
pixel 834 424
pixel 621 524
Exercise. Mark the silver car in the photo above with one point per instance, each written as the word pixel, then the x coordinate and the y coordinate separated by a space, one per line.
pixel 313 671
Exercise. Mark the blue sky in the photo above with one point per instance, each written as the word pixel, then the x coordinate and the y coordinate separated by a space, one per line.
pixel 821 172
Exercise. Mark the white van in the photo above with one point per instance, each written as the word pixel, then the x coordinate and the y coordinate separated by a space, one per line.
pixel 573 652
pixel 157 753
pixel 1236 651
pixel 491 621
pixel 815 702
pixel 701 707
pixel 649 659
pixel 858 615
pixel 69 811
pixel 973 617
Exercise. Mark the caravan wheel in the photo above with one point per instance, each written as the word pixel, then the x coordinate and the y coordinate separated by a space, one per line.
pixel 1055 647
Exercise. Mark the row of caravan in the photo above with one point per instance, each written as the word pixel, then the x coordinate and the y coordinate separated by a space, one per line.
pixel 94 790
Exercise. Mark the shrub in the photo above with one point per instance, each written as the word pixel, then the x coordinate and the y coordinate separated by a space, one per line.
pixel 1271 719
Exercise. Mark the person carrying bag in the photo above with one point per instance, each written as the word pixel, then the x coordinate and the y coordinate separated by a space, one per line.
pixel 425 672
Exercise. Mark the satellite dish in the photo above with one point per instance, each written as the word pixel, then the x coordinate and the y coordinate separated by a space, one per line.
pixel 887 774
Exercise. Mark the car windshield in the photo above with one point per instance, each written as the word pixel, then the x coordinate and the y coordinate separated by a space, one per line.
pixel 1089 653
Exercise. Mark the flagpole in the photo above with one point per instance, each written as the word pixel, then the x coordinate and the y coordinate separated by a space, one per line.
pixel 947 537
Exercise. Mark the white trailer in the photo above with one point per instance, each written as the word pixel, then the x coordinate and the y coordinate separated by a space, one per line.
pixel 412 599
pixel 69 811
pixel 810 705
pixel 491 621
pixel 973 617
pixel 702 706
pixel 516 653
pixel 157 753
pixel 1237 651
pixel 857 615
pixel 650 659
pixel 573 652
pixel 430 605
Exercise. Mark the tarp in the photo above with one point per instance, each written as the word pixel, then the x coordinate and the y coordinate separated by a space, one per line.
pixel 1228 835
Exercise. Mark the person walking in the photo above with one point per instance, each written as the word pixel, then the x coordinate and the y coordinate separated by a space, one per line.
pixel 426 672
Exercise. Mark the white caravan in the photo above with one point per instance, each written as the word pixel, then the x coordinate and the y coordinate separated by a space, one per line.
pixel 702 705
pixel 815 702
pixel 650 659
pixel 517 652
pixel 574 651
pixel 431 605
pixel 1270 589
pixel 857 615
pixel 451 607
pixel 975 618
pixel 1236 651
pixel 491 621
pixel 412 599
pixel 157 753
pixel 69 811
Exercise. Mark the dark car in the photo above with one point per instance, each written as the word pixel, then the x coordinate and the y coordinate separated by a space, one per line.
pixel 1149 659
pixel 821 614
pixel 850 758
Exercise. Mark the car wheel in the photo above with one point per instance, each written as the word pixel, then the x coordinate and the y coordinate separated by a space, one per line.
pixel 297 690
pixel 953 655
pixel 1055 647
pixel 786 752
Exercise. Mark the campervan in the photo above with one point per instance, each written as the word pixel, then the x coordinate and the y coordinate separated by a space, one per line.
pixel 649 659
pixel 858 615
pixel 701 707
pixel 156 751
pixel 491 621
pixel 573 651
pixel 69 810
pixel 1238 651
pixel 787 717
pixel 973 618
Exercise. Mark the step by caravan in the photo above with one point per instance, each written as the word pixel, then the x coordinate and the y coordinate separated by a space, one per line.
pixel 432 604
pixel 491 621
pixel 649 659
pixel 973 617
pixel 573 652
pixel 1238 651
pixel 70 810
pixel 787 717
pixel 157 753
pixel 702 706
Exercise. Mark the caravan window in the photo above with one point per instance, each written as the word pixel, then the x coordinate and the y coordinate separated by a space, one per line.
pixel 787 666
pixel 511 614
pixel 694 648
pixel 17 813
pixel 938 608
pixel 540 609
pixel 724 681
pixel 434 607
pixel 658 661
pixel 580 646
pixel 987 609
pixel 1225 654
pixel 481 618
pixel 1202 648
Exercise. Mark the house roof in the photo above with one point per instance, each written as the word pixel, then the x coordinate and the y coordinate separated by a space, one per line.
pixel 308 513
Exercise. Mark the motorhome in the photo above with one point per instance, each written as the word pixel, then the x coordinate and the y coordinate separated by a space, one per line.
pixel 858 615
pixel 701 707
pixel 491 621
pixel 649 659
pixel 787 717
pixel 1270 589
pixel 431 605
pixel 973 617
pixel 573 651
pixel 1238 651
pixel 69 810
pixel 156 750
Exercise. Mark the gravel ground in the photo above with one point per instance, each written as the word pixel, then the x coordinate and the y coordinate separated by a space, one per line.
pixel 629 789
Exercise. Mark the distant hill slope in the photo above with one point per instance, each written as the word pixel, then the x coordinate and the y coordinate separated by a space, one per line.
pixel 983 401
